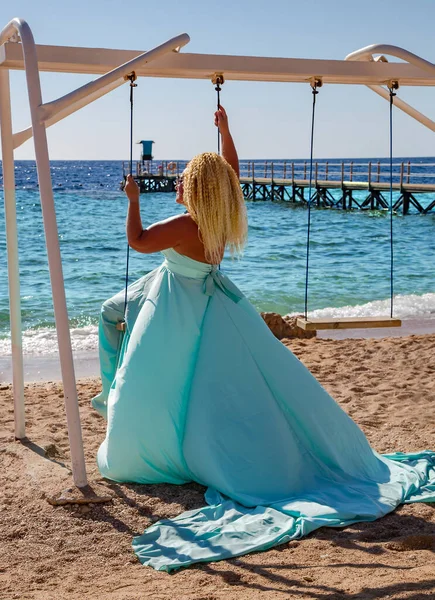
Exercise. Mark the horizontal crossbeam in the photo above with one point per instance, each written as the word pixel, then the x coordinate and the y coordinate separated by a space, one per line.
pixel 58 109
pixel 65 59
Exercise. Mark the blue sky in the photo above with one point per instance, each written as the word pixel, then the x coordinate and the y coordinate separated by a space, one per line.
pixel 269 120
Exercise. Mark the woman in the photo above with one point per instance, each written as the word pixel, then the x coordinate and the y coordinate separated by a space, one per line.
pixel 200 390
pixel 221 225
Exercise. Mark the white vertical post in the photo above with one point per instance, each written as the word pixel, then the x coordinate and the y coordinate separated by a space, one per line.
pixel 54 258
pixel 12 250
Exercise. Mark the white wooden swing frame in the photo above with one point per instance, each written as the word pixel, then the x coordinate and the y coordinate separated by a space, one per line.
pixel 18 51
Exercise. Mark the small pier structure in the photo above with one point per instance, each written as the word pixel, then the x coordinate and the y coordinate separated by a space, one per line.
pixel 341 185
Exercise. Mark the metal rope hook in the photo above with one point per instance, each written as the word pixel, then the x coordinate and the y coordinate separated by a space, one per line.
pixel 131 77
pixel 218 81
pixel 121 326
pixel 392 85
pixel 315 83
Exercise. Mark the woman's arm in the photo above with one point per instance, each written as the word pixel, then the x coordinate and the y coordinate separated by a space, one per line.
pixel 134 222
pixel 157 237
pixel 229 151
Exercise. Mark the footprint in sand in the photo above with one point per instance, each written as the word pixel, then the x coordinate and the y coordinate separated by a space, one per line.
pixel 345 400
pixel 404 395
pixel 412 542
pixel 370 423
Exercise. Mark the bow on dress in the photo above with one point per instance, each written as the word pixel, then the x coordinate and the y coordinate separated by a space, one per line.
pixel 216 278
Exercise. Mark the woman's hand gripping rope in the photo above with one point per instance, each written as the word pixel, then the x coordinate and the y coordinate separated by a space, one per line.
pixel 131 189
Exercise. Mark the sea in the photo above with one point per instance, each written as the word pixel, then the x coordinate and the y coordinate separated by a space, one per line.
pixel 349 251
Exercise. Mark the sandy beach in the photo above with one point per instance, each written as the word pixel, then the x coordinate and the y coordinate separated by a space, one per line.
pixel 386 385
pixel 215 170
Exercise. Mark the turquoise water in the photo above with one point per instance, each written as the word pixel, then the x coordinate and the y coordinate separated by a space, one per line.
pixel 349 254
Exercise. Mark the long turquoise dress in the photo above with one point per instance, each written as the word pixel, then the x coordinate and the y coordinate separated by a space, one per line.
pixel 198 389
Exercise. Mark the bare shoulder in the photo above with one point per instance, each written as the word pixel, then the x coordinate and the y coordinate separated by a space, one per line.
pixel 170 233
pixel 184 222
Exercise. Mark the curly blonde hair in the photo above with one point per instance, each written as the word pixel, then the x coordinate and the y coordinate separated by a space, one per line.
pixel 214 199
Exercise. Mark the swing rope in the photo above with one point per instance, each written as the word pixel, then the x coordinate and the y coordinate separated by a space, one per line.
pixel 314 86
pixel 131 77
pixel 219 82
pixel 393 86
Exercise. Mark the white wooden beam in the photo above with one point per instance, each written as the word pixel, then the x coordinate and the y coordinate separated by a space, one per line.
pixel 12 253
pixel 367 54
pixel 58 109
pixel 64 59
pixel 14 28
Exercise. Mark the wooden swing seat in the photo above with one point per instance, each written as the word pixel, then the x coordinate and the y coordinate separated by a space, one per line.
pixel 347 323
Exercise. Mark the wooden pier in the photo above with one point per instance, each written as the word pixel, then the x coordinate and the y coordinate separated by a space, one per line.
pixel 344 185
